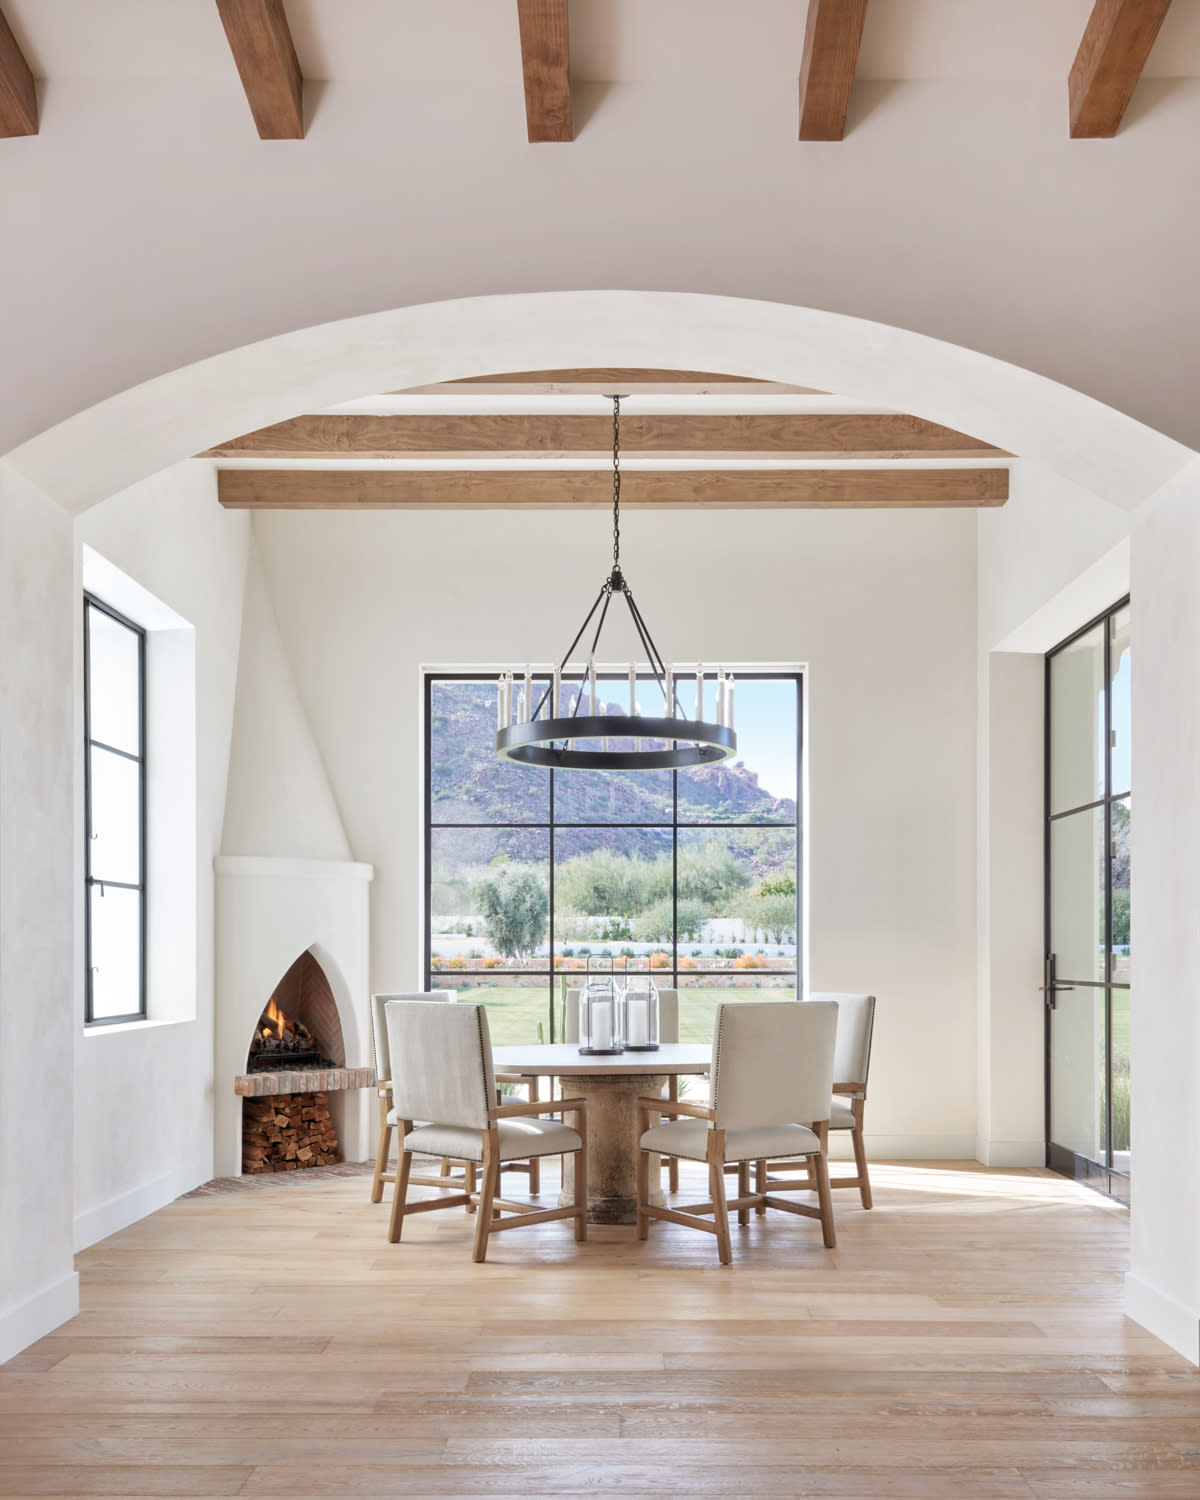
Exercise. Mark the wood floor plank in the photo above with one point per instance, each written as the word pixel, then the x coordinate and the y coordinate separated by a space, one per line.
pixel 271 1342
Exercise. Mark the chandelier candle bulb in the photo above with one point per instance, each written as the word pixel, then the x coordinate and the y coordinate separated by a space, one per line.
pixel 632 689
pixel 592 683
pixel 729 703
pixel 670 713
pixel 527 704
pixel 699 693
pixel 555 695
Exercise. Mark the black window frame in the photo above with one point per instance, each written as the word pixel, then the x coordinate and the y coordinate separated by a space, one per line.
pixel 1102 1176
pixel 552 975
pixel 90 601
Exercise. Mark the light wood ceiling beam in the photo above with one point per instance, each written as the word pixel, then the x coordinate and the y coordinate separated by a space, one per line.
pixel 266 60
pixel 745 489
pixel 832 36
pixel 545 60
pixel 18 93
pixel 1111 56
pixel 610 381
pixel 886 435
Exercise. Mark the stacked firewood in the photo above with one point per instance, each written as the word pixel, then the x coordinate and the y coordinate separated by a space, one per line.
pixel 283 1132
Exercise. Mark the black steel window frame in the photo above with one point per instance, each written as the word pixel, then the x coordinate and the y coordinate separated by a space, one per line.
pixel 674 826
pixel 1101 1175
pixel 90 602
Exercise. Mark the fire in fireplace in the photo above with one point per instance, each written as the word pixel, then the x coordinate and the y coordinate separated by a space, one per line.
pixel 281 1041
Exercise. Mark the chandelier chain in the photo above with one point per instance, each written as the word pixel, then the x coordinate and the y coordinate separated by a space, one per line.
pixel 616 484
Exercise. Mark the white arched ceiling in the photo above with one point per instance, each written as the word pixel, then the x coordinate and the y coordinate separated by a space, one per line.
pixel 153 426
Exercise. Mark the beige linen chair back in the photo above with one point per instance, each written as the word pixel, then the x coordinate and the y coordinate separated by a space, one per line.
pixel 379 1033
pixel 852 1055
pixel 443 1058
pixel 772 1063
pixel 668 1017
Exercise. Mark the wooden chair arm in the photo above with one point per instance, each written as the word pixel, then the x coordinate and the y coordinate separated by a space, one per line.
pixel 536 1107
pixel 384 1085
pixel 849 1088
pixel 514 1077
pixel 677 1107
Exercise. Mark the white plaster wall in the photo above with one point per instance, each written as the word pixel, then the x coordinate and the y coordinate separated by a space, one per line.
pixel 144 1117
pixel 38 1286
pixel 279 800
pixel 880 606
pixel 1163 1286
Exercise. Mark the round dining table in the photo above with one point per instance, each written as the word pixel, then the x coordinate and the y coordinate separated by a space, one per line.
pixel 611 1083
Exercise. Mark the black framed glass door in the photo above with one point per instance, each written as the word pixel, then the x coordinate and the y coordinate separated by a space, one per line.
pixel 1088 977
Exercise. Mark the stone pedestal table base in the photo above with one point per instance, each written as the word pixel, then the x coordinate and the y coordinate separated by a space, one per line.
pixel 612 1148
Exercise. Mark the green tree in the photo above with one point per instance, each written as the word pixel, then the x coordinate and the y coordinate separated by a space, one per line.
pixel 515 907
pixel 711 873
pixel 603 883
pixel 654 924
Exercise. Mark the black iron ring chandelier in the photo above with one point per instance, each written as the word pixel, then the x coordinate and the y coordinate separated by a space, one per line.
pixel 540 734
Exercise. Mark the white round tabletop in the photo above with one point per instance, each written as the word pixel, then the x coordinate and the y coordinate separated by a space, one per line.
pixel 564 1060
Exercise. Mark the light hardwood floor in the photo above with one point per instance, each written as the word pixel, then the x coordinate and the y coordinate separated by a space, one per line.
pixel 964 1339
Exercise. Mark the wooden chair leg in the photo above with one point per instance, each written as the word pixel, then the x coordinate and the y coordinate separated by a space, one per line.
pixel 743 1182
pixel 382 1152
pixel 403 1167
pixel 469 1182
pixel 581 1186
pixel 673 1161
pixel 760 1184
pixel 824 1196
pixel 716 1178
pixel 491 1178
pixel 535 1166
pixel 445 1169
pixel 860 1153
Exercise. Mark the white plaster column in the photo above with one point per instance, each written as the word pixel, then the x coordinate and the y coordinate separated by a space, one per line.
pixel 38 955
pixel 1163 1284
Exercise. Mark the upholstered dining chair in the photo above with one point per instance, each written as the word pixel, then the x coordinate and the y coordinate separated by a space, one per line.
pixel 383 1083
pixel 442 1073
pixel 772 1080
pixel 851 1064
pixel 668 1031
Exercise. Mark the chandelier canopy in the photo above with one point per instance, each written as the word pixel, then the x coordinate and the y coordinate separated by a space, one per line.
pixel 539 733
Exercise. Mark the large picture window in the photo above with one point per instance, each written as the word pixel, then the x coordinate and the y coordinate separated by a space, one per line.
pixel 114 707
pixel 693 873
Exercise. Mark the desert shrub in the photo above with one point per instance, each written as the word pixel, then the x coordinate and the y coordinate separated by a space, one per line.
pixel 515 906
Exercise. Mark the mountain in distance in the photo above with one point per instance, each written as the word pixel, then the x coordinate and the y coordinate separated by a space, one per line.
pixel 469 784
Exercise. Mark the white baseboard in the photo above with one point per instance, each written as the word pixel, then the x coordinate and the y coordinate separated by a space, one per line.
pixel 1171 1321
pixel 38 1315
pixel 904 1147
pixel 127 1208
pixel 1010 1153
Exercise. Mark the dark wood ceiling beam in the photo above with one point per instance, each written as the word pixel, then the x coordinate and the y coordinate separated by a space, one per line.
pixel 878 435
pixel 1111 56
pixel 832 36
pixel 267 63
pixel 545 61
pixel 18 93
pixel 743 489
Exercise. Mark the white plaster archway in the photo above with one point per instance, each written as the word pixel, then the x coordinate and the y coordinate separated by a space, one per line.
pixel 151 427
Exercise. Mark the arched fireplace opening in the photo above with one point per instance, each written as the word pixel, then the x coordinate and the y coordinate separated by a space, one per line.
pixel 299 1026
